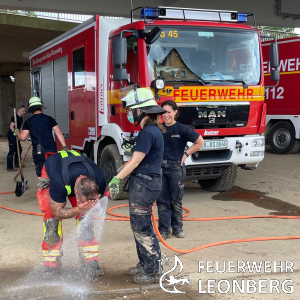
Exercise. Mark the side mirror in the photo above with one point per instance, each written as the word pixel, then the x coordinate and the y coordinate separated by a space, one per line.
pixel 274 56
pixel 153 35
pixel 275 75
pixel 119 47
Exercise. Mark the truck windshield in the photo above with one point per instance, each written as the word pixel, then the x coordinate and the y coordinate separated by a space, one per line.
pixel 213 55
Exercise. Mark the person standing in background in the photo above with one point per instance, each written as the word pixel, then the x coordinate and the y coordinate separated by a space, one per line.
pixel 169 203
pixel 40 127
pixel 12 142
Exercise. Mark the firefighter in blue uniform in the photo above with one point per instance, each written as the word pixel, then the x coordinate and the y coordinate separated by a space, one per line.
pixel 169 203
pixel 145 182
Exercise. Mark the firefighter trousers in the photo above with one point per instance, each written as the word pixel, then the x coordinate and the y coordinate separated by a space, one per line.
pixel 87 243
pixel 169 202
pixel 142 195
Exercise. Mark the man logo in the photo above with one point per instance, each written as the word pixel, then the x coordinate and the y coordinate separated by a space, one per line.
pixel 171 279
pixel 212 114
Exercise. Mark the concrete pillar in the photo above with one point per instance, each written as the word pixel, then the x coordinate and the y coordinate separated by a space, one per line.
pixel 23 89
pixel 7 104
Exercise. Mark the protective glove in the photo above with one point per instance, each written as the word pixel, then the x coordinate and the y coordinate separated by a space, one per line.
pixel 15 132
pixel 114 187
pixel 65 148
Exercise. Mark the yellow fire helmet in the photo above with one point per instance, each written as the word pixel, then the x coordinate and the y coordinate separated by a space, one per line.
pixel 34 103
pixel 143 99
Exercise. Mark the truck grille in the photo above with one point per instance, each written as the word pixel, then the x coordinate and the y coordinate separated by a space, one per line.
pixel 211 155
pixel 205 171
pixel 214 116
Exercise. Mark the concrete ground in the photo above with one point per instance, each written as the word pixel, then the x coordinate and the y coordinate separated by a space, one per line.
pixel 272 189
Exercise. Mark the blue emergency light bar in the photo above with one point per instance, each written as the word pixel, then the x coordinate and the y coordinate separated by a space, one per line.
pixel 161 12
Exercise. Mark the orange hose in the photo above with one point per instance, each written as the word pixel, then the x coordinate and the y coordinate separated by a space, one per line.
pixel 127 218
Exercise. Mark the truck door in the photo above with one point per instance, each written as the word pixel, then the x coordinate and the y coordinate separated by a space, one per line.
pixel 78 93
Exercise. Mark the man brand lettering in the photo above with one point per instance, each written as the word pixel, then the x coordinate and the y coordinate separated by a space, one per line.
pixel 211 132
pixel 212 114
pixel 101 99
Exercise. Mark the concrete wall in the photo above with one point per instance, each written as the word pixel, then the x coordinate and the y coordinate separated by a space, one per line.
pixel 7 104
pixel 22 87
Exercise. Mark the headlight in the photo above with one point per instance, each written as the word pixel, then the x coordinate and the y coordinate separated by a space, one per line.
pixel 159 84
pixel 258 143
pixel 256 153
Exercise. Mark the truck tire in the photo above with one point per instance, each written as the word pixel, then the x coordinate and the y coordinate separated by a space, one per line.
pixel 282 138
pixel 110 163
pixel 221 184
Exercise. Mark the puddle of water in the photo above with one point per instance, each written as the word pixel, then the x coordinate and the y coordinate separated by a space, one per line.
pixel 259 199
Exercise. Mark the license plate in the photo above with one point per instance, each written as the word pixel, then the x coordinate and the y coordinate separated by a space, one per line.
pixel 214 145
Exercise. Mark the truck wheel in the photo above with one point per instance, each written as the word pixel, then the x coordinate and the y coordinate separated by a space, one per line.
pixel 110 162
pixel 282 138
pixel 221 184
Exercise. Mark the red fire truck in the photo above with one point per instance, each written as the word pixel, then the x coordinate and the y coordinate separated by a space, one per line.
pixel 283 111
pixel 207 61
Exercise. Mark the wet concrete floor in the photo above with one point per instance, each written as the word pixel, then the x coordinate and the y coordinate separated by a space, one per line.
pixel 275 206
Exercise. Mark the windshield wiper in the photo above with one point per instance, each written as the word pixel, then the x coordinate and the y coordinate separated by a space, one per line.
pixel 203 82
pixel 245 85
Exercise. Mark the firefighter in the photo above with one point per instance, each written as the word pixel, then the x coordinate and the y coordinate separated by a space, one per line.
pixel 12 143
pixel 144 183
pixel 40 127
pixel 69 173
pixel 169 203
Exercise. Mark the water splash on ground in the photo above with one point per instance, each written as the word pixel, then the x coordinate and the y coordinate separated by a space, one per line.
pixel 71 282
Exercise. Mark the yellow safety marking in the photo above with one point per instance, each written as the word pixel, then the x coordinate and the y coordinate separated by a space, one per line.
pixel 75 153
pixel 59 229
pixel 49 259
pixel 44 225
pixel 190 94
pixel 52 254
pixel 283 73
pixel 68 188
pixel 63 153
pixel 90 247
pixel 90 256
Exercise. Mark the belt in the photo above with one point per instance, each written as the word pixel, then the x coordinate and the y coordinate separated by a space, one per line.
pixel 147 177
pixel 172 162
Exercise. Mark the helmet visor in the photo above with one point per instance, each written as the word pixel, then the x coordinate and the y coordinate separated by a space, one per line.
pixel 133 96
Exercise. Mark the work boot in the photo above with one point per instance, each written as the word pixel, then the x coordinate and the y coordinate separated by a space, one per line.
pixel 11 170
pixel 134 270
pixel 165 235
pixel 146 278
pixel 50 272
pixel 92 269
pixel 178 233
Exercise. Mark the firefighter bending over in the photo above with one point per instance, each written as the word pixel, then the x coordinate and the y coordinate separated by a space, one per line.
pixel 69 173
